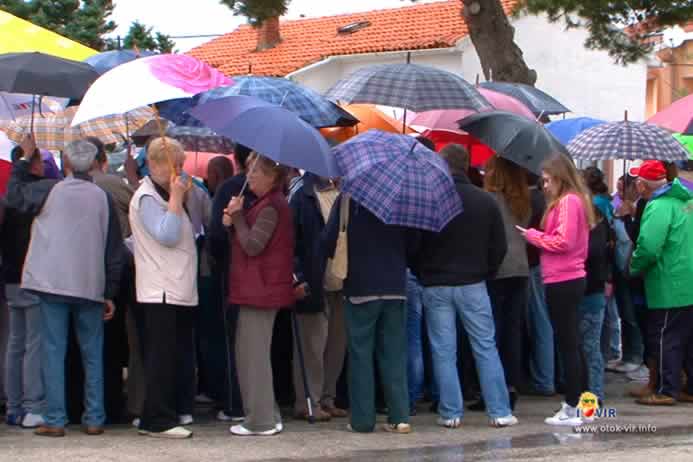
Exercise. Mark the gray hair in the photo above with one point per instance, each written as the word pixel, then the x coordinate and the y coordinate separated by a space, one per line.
pixel 457 158
pixel 81 154
pixel 653 185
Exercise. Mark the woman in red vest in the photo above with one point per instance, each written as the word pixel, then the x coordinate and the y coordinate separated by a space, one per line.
pixel 261 283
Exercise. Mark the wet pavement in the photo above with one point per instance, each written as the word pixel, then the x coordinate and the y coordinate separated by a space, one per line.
pixel 532 440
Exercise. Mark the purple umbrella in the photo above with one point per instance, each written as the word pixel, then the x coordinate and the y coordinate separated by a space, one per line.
pixel 270 130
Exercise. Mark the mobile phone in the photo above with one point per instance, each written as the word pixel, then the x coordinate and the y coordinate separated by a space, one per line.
pixel 521 229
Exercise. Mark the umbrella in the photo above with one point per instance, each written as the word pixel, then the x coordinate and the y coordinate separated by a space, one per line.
pixel 479 153
pixel 196 162
pixel 41 74
pixel 14 105
pixel 271 130
pixel 54 131
pixel 409 86
pixel 399 180
pixel 369 117
pixel 200 139
pixel 628 141
pixel 678 117
pixel 447 119
pixel 147 81
pixel 567 129
pixel 515 138
pixel 104 62
pixel 687 142
pixel 312 107
pixel 538 101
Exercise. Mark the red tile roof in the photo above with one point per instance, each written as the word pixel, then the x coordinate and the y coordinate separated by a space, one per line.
pixel 307 41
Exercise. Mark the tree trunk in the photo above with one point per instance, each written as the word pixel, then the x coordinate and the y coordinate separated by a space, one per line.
pixel 493 38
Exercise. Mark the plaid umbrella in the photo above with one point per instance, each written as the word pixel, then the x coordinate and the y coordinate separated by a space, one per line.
pixel 399 180
pixel 626 140
pixel 312 107
pixel 53 132
pixel 540 102
pixel 195 139
pixel 410 86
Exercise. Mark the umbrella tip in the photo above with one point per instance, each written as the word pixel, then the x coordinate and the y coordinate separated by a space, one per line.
pixel 625 115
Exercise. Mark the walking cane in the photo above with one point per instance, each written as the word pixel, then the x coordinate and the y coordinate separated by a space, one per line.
pixel 299 348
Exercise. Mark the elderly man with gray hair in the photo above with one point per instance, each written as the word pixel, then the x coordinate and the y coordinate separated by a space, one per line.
pixel 74 265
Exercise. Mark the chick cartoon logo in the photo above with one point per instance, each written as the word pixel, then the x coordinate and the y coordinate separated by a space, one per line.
pixel 588 407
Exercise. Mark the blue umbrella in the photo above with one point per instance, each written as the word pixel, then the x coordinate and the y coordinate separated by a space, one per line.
pixel 104 62
pixel 399 180
pixel 270 130
pixel 567 129
pixel 312 107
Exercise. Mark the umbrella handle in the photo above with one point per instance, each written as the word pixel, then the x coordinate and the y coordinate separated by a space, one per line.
pixel 162 134
pixel 245 183
pixel 33 105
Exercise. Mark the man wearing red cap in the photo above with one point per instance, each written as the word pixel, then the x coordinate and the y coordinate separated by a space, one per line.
pixel 664 257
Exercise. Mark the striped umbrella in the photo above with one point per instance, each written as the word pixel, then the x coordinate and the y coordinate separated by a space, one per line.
pixel 53 131
pixel 628 141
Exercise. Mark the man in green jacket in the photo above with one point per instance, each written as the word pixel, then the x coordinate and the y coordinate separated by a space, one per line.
pixel 664 257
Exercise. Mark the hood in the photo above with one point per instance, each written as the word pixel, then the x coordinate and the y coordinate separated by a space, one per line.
pixel 674 189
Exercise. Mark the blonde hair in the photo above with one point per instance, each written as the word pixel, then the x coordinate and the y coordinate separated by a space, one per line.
pixel 165 150
pixel 568 180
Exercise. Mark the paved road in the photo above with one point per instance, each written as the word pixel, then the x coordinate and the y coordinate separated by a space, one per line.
pixel 475 441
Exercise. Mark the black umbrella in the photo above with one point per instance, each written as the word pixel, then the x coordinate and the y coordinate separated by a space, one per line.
pixel 539 102
pixel 42 74
pixel 689 129
pixel 513 137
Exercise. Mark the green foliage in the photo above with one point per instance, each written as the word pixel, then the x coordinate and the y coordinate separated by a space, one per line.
pixel 257 11
pixel 143 37
pixel 84 21
pixel 619 27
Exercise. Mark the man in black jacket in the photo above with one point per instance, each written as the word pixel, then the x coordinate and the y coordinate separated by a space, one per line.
pixel 453 266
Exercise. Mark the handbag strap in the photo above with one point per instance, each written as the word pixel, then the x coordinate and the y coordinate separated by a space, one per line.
pixel 344 213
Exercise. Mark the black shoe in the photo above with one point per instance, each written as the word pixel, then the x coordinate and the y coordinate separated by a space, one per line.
pixel 434 406
pixel 513 399
pixel 478 406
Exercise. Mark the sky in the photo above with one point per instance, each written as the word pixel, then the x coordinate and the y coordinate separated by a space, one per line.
pixel 198 17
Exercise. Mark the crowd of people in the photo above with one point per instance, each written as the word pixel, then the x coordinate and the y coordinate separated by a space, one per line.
pixel 263 279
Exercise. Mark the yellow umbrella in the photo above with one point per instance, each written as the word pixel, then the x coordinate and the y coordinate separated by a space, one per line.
pixel 18 35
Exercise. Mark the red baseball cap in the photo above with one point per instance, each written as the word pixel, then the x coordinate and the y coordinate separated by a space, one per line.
pixel 651 170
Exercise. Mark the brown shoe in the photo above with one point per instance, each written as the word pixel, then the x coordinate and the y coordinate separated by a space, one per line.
pixel 654 399
pixel 55 432
pixel 92 431
pixel 318 413
pixel 336 412
pixel 649 388
pixel 685 397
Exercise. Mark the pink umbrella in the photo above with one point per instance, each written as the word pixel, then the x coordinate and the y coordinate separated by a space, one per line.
pixel 447 119
pixel 677 117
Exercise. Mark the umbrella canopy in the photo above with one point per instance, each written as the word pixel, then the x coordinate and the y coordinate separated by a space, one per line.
pixel 147 81
pixel 687 142
pixel 196 162
pixel 54 131
pixel 196 139
pixel 479 153
pixel 446 119
pixel 678 117
pixel 626 140
pixel 370 117
pixel 567 129
pixel 539 102
pixel 399 180
pixel 515 138
pixel 15 105
pixel 42 74
pixel 271 130
pixel 104 62
pixel 410 86
pixel 312 107
pixel 18 35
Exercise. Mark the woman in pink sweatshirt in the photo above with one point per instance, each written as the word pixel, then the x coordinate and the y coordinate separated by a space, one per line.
pixel 563 245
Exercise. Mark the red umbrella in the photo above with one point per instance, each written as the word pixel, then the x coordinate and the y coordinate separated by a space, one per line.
pixel 479 152
pixel 678 117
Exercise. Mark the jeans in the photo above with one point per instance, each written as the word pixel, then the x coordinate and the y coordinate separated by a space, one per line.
pixel 471 303
pixel 415 363
pixel 541 364
pixel 633 344
pixel 89 325
pixel 611 335
pixel 591 319
pixel 23 365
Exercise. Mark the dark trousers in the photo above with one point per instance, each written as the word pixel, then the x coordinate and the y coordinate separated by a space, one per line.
pixel 509 299
pixel 169 365
pixel 233 403
pixel 671 344
pixel 563 299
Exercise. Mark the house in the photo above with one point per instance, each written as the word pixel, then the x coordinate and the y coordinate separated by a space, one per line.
pixel 317 52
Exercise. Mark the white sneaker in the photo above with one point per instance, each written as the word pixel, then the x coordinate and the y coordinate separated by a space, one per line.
pixel 203 399
pixel 279 427
pixel 32 420
pixel 567 417
pixel 627 367
pixel 176 433
pixel 449 423
pixel 641 374
pixel 240 430
pixel 185 419
pixel 224 417
pixel 507 421
pixel 136 422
